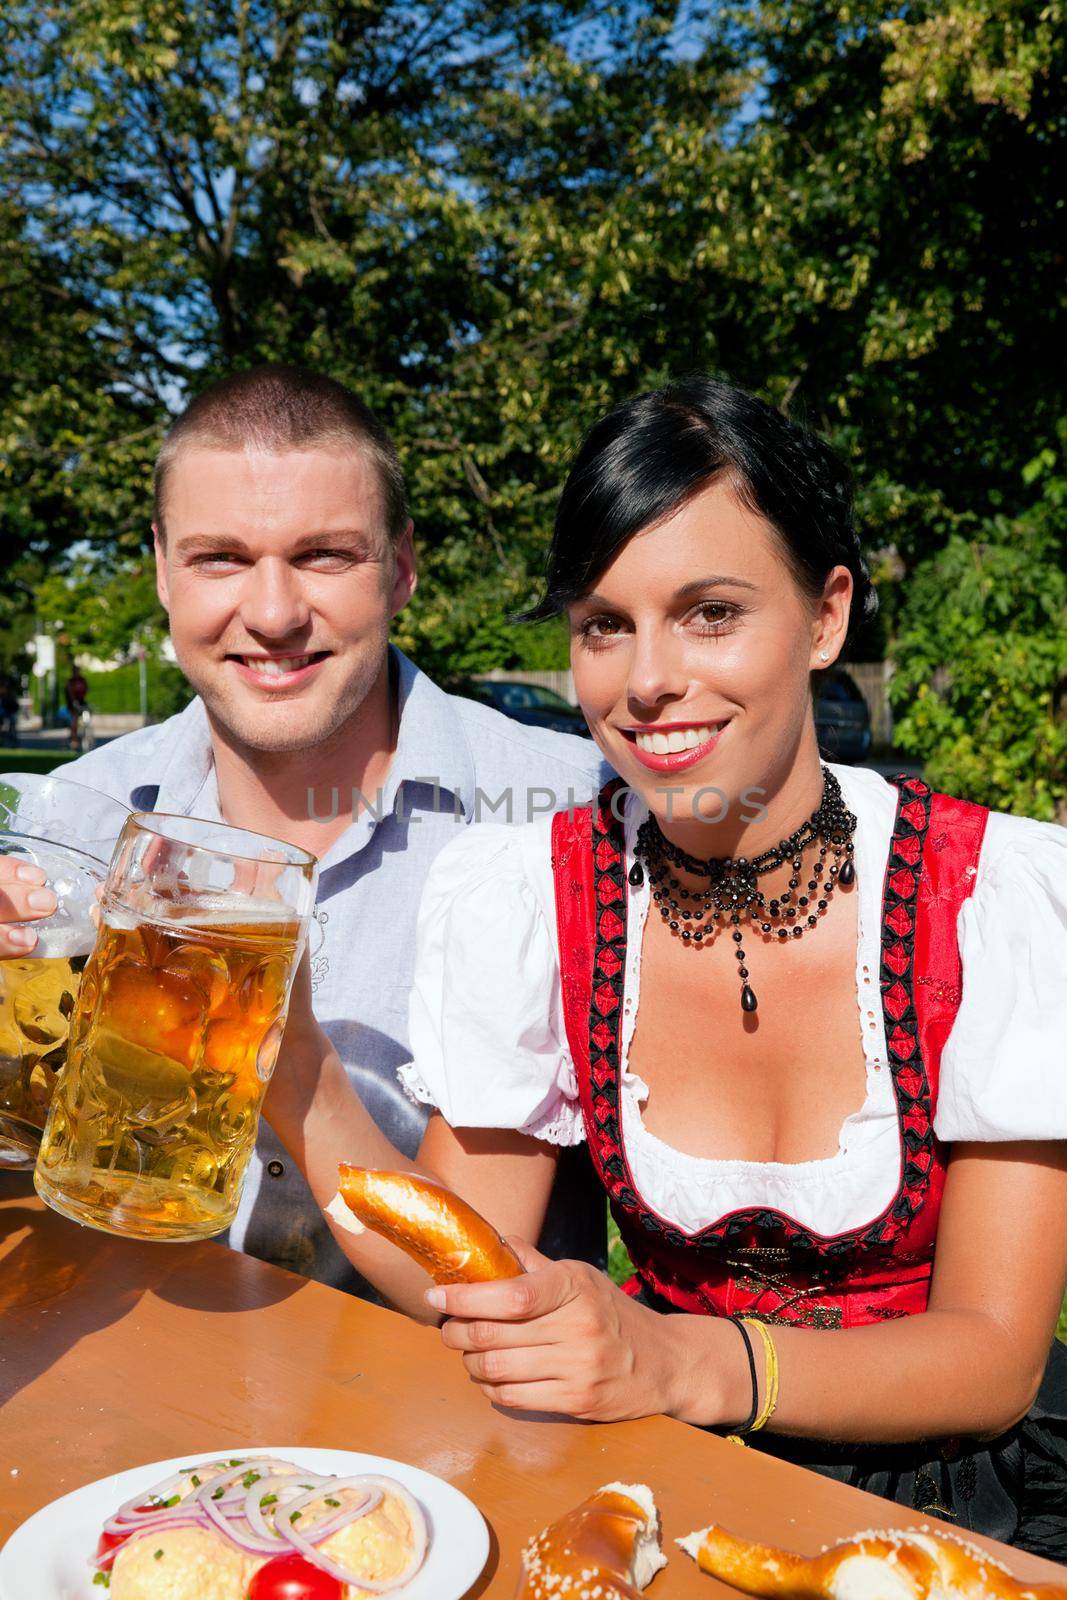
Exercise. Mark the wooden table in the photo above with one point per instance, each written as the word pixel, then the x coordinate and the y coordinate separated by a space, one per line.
pixel 114 1353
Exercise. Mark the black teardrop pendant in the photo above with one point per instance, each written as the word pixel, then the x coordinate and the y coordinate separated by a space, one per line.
pixel 748 998
pixel 847 874
pixel 635 875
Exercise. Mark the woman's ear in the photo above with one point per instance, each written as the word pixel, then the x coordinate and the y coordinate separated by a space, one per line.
pixel 830 626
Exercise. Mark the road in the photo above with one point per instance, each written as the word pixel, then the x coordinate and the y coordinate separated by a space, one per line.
pixel 57 739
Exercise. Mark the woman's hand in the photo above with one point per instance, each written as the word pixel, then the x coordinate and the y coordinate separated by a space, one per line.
pixel 563 1338
pixel 24 897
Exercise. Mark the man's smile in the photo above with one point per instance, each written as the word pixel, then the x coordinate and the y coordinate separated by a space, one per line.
pixel 274 672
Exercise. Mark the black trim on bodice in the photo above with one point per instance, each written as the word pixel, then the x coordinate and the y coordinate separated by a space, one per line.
pixel 911 1084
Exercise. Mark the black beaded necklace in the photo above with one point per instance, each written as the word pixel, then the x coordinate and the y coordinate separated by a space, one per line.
pixel 732 889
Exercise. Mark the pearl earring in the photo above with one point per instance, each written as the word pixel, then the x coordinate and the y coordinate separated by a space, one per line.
pixel 824 655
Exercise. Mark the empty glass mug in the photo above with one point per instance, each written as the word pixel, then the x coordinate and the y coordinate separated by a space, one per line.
pixel 69 831
pixel 177 1028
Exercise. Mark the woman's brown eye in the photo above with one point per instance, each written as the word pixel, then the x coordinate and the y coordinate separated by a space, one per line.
pixel 600 627
pixel 716 616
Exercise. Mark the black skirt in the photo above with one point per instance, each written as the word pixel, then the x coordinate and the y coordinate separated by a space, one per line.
pixel 1013 1488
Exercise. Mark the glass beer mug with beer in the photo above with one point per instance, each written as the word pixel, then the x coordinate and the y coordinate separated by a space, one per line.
pixel 68 831
pixel 177 1028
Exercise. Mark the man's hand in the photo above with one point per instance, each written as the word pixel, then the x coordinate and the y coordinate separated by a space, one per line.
pixel 24 897
pixel 562 1338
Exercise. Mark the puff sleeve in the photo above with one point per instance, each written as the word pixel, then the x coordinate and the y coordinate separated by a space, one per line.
pixel 1004 1065
pixel 484 1018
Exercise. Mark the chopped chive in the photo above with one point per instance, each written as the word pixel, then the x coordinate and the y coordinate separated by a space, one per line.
pixel 158 1556
pixel 331 1502
pixel 269 1500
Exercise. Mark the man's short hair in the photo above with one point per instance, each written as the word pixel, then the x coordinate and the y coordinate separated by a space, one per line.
pixel 276 408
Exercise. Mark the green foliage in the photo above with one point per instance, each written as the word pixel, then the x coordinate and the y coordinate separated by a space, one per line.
pixel 118 691
pixel 102 610
pixel 469 633
pixel 981 663
pixel 620 1267
pixel 495 220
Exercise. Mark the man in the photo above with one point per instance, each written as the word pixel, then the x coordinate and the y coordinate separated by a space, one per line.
pixel 76 695
pixel 283 551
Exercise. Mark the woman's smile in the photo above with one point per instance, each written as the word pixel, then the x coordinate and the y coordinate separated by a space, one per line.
pixel 673 746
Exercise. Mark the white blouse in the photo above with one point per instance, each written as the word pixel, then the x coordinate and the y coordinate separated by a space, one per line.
pixel 490 1047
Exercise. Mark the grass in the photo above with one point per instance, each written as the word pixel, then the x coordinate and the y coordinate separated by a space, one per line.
pixel 16 759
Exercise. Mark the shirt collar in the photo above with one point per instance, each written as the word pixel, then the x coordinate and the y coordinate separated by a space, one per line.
pixel 431 743
pixel 432 750
pixel 189 765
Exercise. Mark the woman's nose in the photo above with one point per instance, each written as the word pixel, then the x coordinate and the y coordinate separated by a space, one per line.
pixel 273 602
pixel 656 669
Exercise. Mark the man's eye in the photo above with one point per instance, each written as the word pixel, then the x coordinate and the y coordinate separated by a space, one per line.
pixel 217 558
pixel 329 559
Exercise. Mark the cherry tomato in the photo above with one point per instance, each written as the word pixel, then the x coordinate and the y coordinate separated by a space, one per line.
pixel 290 1577
pixel 108 1544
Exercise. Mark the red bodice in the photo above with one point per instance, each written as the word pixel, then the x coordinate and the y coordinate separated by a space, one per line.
pixel 762 1261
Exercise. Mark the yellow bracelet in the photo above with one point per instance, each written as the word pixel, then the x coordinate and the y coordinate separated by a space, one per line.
pixel 770 1387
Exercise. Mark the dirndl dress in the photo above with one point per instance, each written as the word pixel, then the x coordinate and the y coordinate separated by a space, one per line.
pixel 763 1263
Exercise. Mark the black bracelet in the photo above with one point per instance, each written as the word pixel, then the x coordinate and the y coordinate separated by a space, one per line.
pixel 743 1427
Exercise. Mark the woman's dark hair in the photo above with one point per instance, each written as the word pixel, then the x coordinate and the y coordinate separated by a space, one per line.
pixel 648 456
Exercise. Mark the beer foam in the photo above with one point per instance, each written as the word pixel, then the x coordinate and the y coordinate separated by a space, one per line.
pixel 205 911
pixel 218 912
pixel 56 941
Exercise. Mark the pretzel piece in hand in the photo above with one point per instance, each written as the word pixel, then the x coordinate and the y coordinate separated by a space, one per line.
pixel 606 1547
pixel 899 1564
pixel 447 1237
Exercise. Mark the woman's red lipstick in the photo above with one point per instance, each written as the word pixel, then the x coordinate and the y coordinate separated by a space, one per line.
pixel 674 760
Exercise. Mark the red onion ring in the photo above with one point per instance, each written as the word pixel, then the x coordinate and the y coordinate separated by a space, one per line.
pixel 104 1561
pixel 253 1508
pixel 237 1513
pixel 134 1510
pixel 419 1531
pixel 249 1542
pixel 342 1515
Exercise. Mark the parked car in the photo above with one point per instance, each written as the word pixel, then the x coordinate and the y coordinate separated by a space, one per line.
pixel 842 717
pixel 526 702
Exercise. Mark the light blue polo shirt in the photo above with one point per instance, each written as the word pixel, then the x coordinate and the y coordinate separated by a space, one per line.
pixel 456 763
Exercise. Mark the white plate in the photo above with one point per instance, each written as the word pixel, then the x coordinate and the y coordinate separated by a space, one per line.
pixel 48 1557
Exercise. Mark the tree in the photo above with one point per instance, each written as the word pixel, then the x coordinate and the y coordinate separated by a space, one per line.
pixel 75 419
pixel 981 657
pixel 496 220
pixel 250 180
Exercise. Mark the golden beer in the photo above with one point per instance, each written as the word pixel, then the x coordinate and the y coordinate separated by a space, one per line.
pixel 36 1003
pixel 172 1045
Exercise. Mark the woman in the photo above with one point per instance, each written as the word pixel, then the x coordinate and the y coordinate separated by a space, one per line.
pixel 810 1022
